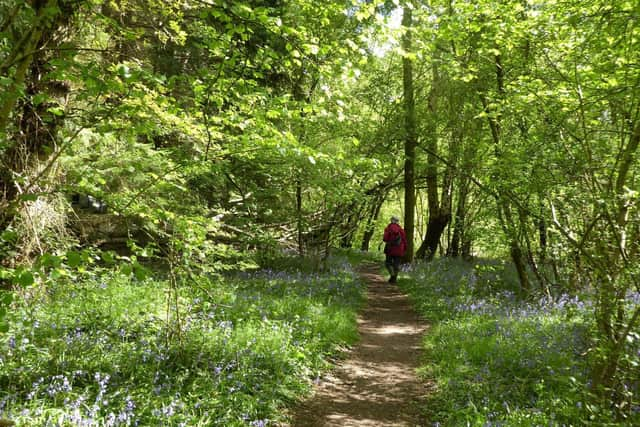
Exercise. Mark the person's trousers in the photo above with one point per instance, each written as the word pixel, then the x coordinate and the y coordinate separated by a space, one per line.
pixel 393 265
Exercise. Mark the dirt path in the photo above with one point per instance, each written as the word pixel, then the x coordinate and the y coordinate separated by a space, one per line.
pixel 376 384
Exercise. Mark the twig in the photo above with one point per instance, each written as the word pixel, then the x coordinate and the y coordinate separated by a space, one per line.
pixel 570 238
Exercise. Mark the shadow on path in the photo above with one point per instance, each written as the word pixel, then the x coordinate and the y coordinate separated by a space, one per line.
pixel 376 384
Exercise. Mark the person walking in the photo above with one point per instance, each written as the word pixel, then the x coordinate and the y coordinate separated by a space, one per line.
pixel 395 247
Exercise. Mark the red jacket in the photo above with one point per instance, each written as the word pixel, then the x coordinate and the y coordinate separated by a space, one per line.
pixel 390 234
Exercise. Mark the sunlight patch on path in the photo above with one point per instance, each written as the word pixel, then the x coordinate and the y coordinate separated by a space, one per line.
pixel 376 384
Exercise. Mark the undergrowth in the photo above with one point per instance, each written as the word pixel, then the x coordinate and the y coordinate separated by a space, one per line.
pixel 498 360
pixel 110 350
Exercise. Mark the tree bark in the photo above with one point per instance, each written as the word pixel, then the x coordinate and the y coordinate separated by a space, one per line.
pixel 410 134
pixel 542 234
pixel 299 218
pixel 439 205
pixel 459 230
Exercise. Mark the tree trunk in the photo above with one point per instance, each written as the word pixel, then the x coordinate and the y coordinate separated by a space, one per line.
pixel 521 267
pixel 299 219
pixel 435 228
pixel 530 256
pixel 466 247
pixel 439 206
pixel 410 135
pixel 542 234
pixel 459 231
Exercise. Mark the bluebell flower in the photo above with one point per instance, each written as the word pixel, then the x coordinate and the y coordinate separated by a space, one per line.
pixel 58 384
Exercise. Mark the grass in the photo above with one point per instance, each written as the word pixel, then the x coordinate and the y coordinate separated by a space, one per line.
pixel 105 350
pixel 497 360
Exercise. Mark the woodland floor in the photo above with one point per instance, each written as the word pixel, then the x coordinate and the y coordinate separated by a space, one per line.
pixel 376 384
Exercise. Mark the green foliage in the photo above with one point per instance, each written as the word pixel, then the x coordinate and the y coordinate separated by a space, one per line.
pixel 499 360
pixel 101 349
pixel 5 303
pixel 213 129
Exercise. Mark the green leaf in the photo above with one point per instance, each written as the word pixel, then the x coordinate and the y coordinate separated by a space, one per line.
pixel 126 269
pixel 9 236
pixel 24 278
pixel 6 273
pixel 6 298
pixel 57 273
pixel 39 98
pixel 48 260
pixel 56 111
pixel 311 48
pixel 74 259
pixel 139 272
pixel 107 257
pixel 245 8
pixel 30 197
pixel 124 71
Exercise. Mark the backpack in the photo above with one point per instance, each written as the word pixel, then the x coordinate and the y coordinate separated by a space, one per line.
pixel 395 240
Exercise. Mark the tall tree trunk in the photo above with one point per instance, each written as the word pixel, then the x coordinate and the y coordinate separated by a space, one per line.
pixel 466 246
pixel 542 234
pixel 459 230
pixel 299 218
pixel 410 134
pixel 439 207
pixel 530 255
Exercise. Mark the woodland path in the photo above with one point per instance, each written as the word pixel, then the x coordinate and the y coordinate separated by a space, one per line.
pixel 376 383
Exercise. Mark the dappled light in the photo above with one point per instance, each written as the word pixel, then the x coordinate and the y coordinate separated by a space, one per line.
pixel 199 199
pixel 376 383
